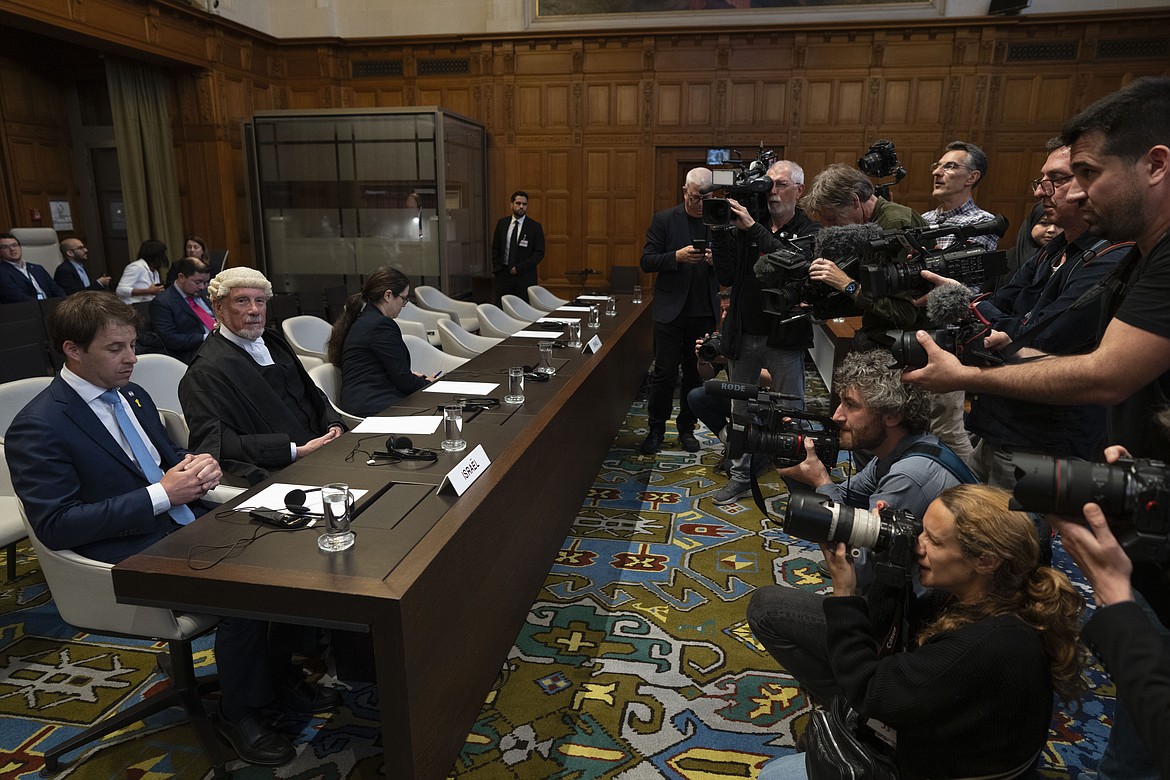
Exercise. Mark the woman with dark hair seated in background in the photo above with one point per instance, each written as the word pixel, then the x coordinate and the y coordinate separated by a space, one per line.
pixel 972 697
pixel 140 280
pixel 367 345
pixel 193 246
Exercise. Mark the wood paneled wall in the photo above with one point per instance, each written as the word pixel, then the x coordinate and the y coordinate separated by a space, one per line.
pixel 591 125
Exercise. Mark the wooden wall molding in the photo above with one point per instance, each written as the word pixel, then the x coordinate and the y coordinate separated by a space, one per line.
pixel 577 119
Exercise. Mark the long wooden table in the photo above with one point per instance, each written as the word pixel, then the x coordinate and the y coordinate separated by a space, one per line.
pixel 443 584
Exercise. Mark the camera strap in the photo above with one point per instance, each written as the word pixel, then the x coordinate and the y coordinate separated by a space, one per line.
pixel 1114 282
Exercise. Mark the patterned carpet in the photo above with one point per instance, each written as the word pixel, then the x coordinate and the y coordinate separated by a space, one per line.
pixel 634 664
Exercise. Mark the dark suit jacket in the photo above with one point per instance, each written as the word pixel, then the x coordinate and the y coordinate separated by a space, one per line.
pixel 375 365
pixel 15 286
pixel 670 230
pixel 236 416
pixel 179 328
pixel 80 489
pixel 70 281
pixel 528 254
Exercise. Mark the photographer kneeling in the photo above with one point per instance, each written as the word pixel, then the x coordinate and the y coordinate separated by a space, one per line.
pixel 973 696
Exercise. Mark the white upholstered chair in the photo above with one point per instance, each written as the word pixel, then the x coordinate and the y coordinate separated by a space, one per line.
pixel 39 245
pixel 494 322
pixel 518 308
pixel 14 396
pixel 429 320
pixel 328 377
pixel 541 298
pixel 463 312
pixel 458 342
pixel 83 590
pixel 428 360
pixel 307 334
pixel 413 327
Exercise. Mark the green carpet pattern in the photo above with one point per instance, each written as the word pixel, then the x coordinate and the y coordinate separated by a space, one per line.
pixel 635 662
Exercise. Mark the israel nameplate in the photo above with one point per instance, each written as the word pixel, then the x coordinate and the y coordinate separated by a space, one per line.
pixel 467 471
pixel 593 344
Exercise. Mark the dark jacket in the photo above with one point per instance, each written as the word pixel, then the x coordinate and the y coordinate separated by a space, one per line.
pixel 70 281
pixel 375 365
pixel 525 256
pixel 15 286
pixel 177 325
pixel 669 231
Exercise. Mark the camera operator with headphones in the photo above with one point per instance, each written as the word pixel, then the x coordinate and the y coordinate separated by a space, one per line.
pixel 1120 156
pixel 993 614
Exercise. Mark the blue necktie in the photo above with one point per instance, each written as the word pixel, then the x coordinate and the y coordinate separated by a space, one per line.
pixel 181 514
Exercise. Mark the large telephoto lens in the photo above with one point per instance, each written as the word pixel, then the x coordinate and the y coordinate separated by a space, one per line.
pixel 1045 484
pixel 816 518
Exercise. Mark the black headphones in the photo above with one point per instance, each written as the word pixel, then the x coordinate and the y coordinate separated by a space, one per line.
pixel 530 373
pixel 294 502
pixel 399 448
pixel 477 403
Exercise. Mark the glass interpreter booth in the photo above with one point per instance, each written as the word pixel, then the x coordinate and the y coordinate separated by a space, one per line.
pixel 335 194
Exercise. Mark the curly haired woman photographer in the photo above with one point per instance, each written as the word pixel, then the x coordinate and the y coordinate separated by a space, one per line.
pixel 973 696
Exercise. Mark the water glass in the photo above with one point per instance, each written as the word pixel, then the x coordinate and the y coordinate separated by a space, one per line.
pixel 574 333
pixel 337 507
pixel 594 317
pixel 515 385
pixel 637 293
pixel 611 306
pixel 545 366
pixel 453 429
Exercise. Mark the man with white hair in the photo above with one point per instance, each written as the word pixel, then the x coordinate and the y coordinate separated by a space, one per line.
pixel 685 307
pixel 247 398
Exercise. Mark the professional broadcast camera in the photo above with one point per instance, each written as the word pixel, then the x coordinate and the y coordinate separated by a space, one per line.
pixel 960 331
pixel 790 294
pixel 1133 494
pixel 971 265
pixel 748 183
pixel 779 434
pixel 879 161
pixel 892 535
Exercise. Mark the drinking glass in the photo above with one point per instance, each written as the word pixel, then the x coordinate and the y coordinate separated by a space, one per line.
pixel 515 385
pixel 453 429
pixel 337 507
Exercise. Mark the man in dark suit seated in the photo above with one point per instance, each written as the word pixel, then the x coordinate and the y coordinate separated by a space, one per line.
pixel 247 398
pixel 181 315
pixel 97 474
pixel 21 281
pixel 685 306
pixel 517 248
pixel 72 274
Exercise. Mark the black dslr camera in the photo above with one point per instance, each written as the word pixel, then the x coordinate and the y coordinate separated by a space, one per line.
pixel 711 349
pixel 892 535
pixel 779 434
pixel 970 265
pixel 1133 494
pixel 747 182
pixel 879 161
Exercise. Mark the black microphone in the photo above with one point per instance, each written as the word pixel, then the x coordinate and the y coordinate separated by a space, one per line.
pixel 741 391
pixel 948 304
pixel 841 243
pixel 998 226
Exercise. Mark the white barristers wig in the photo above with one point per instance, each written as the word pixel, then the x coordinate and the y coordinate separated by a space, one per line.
pixel 240 276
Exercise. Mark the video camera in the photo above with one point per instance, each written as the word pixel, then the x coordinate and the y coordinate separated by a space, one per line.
pixel 779 434
pixel 747 182
pixel 891 534
pixel 960 331
pixel 971 265
pixel 881 160
pixel 1133 494
pixel 790 294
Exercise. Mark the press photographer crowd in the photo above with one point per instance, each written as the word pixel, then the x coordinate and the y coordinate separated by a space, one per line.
pixel 993 407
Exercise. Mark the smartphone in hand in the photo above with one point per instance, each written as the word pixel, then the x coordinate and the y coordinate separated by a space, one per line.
pixel 699 244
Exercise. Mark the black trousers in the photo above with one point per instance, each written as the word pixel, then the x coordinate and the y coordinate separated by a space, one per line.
pixel 674 346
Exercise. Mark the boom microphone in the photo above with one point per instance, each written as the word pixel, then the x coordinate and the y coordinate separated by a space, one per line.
pixel 742 391
pixel 842 243
pixel 948 304
pixel 962 233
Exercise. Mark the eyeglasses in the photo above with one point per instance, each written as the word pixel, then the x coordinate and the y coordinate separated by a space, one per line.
pixel 948 167
pixel 8 246
pixel 692 198
pixel 1048 186
pixel 403 297
pixel 780 184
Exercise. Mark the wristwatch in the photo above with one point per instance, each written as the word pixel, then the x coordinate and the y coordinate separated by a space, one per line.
pixel 851 288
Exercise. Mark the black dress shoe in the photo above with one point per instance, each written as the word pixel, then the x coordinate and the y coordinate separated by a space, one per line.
pixel 300 696
pixel 688 441
pixel 255 741
pixel 652 443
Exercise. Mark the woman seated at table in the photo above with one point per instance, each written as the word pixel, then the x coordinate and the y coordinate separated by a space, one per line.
pixel 973 695
pixel 367 344
pixel 140 280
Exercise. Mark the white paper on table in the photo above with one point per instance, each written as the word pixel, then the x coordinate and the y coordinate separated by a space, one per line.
pixel 562 320
pixel 539 334
pixel 462 388
pixel 574 308
pixel 272 497
pixel 427 423
pixel 593 297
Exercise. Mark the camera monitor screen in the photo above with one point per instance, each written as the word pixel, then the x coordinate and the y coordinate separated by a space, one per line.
pixel 718 156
